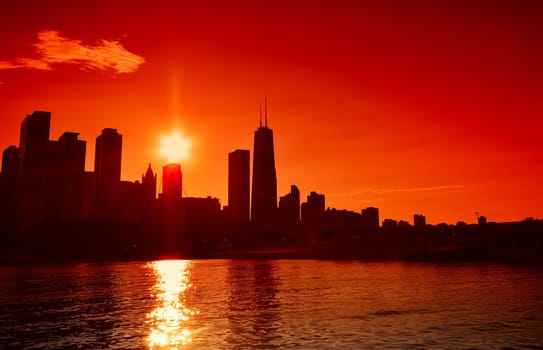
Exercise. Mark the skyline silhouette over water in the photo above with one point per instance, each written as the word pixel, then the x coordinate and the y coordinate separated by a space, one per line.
pixel 46 194
pixel 388 196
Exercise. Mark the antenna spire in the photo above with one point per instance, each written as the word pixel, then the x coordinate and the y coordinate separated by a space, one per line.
pixel 266 109
pixel 260 115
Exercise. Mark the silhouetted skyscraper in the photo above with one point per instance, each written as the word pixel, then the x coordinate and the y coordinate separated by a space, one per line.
pixel 313 214
pixel 419 220
pixel 238 186
pixel 289 212
pixel 51 178
pixel 289 207
pixel 148 182
pixel 314 208
pixel 34 135
pixel 264 190
pixel 10 167
pixel 66 168
pixel 370 219
pixel 172 184
pixel 8 188
pixel 33 155
pixel 69 154
pixel 107 166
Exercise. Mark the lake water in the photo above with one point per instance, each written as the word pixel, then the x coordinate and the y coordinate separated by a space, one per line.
pixel 283 304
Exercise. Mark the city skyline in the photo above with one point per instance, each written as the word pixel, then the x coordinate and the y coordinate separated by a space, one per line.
pixel 47 176
pixel 412 108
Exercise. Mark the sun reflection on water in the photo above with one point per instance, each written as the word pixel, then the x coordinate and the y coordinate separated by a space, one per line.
pixel 168 329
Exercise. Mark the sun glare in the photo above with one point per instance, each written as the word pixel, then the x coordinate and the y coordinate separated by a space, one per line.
pixel 175 147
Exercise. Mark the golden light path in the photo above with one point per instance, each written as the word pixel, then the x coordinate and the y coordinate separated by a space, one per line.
pixel 167 321
pixel 175 147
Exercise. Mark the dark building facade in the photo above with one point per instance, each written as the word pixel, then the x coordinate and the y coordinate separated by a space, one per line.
pixel 172 182
pixel 370 219
pixel 107 167
pixel 148 182
pixel 66 178
pixel 264 189
pixel 8 189
pixel 33 156
pixel 289 211
pixel 47 177
pixel 342 223
pixel 419 220
pixel 389 224
pixel 313 214
pixel 239 194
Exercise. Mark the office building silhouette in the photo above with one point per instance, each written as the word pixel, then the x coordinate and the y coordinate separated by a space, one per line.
pixel 370 219
pixel 419 220
pixel 289 207
pixel 10 167
pixel 49 175
pixel 264 189
pixel 148 182
pixel 313 214
pixel 389 224
pixel 33 155
pixel 107 167
pixel 239 193
pixel 66 178
pixel 172 184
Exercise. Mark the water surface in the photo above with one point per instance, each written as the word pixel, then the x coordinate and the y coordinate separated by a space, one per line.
pixel 283 304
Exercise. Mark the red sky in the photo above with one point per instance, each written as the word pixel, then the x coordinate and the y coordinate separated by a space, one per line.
pixel 414 107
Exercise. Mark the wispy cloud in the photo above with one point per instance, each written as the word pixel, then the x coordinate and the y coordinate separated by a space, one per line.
pixel 52 48
pixel 374 191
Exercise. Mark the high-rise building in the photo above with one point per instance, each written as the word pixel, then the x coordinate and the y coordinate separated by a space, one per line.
pixel 10 167
pixel 370 219
pixel 148 182
pixel 8 188
pixel 419 220
pixel 314 209
pixel 172 184
pixel 65 172
pixel 34 135
pixel 33 156
pixel 51 177
pixel 238 186
pixel 289 207
pixel 313 214
pixel 107 166
pixel 264 190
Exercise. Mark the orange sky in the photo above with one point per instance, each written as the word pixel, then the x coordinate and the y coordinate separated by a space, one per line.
pixel 413 107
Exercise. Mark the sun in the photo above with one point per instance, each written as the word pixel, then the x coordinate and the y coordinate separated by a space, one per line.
pixel 174 147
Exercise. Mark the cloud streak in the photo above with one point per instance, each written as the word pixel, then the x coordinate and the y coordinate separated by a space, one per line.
pixel 52 48
pixel 373 191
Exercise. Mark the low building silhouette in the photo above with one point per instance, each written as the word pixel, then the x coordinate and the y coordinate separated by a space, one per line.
pixel 389 225
pixel 342 224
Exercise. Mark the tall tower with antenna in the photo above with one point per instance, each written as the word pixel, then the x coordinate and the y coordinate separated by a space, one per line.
pixel 264 189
